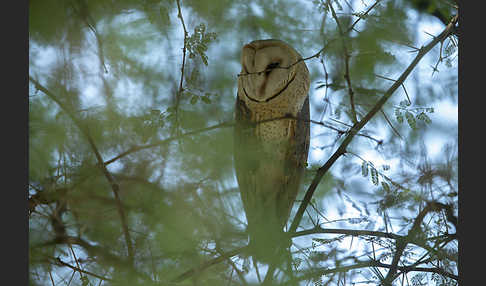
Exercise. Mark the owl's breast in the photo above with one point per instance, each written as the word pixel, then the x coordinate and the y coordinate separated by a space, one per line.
pixel 275 127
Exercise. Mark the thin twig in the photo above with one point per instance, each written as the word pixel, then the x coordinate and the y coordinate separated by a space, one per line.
pixel 269 276
pixel 238 271
pixel 389 235
pixel 167 140
pixel 52 280
pixel 59 262
pixel 406 93
pixel 316 229
pixel 358 126
pixel 75 259
pixel 217 126
pixel 181 89
pixel 322 50
pixel 209 263
pixel 362 16
pixel 114 185
pixel 422 260
pixel 85 15
pixel 402 243
pixel 391 125
pixel 347 76
pixel 326 96
pixel 365 264
pixel 101 252
pixel 352 232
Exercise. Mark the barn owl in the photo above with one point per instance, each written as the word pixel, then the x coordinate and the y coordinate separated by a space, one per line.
pixel 271 137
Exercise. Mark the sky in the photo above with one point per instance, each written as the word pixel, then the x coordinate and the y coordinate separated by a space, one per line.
pixel 445 111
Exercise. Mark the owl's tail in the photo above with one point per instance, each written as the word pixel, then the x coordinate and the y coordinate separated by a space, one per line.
pixel 269 246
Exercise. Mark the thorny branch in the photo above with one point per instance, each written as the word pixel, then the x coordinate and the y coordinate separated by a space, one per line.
pixel 114 185
pixel 389 235
pixel 413 232
pixel 359 125
pixel 318 229
pixel 367 264
pixel 341 150
pixel 59 262
pixel 362 16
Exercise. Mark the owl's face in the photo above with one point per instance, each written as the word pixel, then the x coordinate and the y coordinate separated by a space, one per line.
pixel 267 69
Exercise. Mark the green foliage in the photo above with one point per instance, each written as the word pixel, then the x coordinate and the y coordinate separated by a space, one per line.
pixel 197 43
pixel 369 168
pixel 442 10
pixel 49 19
pixel 412 114
pixel 169 179
pixel 158 13
pixel 368 46
pixel 206 98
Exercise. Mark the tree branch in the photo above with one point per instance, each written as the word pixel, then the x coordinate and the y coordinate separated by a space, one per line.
pixel 59 262
pixel 167 140
pixel 365 264
pixel 402 243
pixel 352 232
pixel 114 185
pixel 347 77
pixel 209 263
pixel 359 125
pixel 101 253
pixel 316 55
pixel 362 16
pixel 314 230
pixel 83 12
pixel 184 48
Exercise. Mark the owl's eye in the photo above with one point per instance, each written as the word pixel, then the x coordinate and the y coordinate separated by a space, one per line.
pixel 270 67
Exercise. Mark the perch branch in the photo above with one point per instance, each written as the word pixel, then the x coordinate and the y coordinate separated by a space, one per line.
pixel 366 264
pixel 317 229
pixel 354 232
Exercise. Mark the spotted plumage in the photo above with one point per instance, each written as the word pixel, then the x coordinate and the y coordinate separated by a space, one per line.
pixel 271 135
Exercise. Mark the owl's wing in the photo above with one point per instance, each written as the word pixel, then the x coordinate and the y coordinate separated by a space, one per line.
pixel 302 134
pixel 268 179
pixel 254 167
pixel 296 159
pixel 244 144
